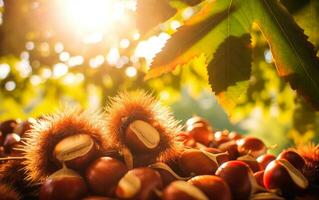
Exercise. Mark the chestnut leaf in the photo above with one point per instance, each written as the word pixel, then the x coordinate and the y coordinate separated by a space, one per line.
pixel 220 31
pixel 151 13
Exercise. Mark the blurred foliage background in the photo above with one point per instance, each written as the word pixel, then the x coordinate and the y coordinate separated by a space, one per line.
pixel 79 52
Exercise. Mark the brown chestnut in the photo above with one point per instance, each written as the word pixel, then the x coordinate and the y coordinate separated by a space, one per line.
pixel 167 173
pixel 197 120
pixel 1 138
pixel 280 174
pixel 268 195
pixel 213 187
pixel 8 126
pixel 198 162
pixel 24 126
pixel 181 190
pixel 264 160
pixel 97 198
pixel 251 145
pixel 250 161
pixel 63 184
pixel 231 148
pixel 186 139
pixel 201 133
pixel 76 151
pixel 259 176
pixel 10 141
pixel 223 156
pixel 294 158
pixel 238 176
pixel 103 175
pixel 139 184
pixel 221 137
pixel 234 135
pixel 141 137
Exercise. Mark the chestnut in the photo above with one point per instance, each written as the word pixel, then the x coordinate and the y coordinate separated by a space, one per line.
pixel 267 195
pixel 1 138
pixel 141 137
pixel 234 135
pixel 223 156
pixel 63 184
pixel 231 148
pixel 198 162
pixel 139 184
pixel 197 120
pixel 181 190
pixel 167 173
pixel 201 133
pixel 103 175
pixel 259 176
pixel 280 174
pixel 97 198
pixel 213 187
pixel 293 157
pixel 251 145
pixel 8 126
pixel 250 161
pixel 238 176
pixel 76 151
pixel 10 141
pixel 264 160
pixel 24 126
pixel 221 137
pixel 186 139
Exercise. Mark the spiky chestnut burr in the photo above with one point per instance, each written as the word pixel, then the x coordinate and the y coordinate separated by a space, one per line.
pixel 12 173
pixel 40 149
pixel 310 152
pixel 8 193
pixel 136 112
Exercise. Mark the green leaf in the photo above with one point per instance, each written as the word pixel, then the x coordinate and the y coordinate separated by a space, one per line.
pixel 212 31
pixel 307 18
pixel 295 57
pixel 231 66
pixel 236 67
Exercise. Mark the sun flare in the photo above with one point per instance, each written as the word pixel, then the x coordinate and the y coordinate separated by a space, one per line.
pixel 95 15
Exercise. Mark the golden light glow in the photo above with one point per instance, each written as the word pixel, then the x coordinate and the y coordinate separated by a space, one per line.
pixel 94 15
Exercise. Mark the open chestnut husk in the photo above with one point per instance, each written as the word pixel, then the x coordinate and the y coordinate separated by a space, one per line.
pixel 63 184
pixel 280 174
pixel 137 123
pixel 8 193
pixel 74 137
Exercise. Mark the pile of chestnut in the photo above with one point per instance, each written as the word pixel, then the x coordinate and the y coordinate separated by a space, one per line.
pixel 11 132
pixel 208 165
